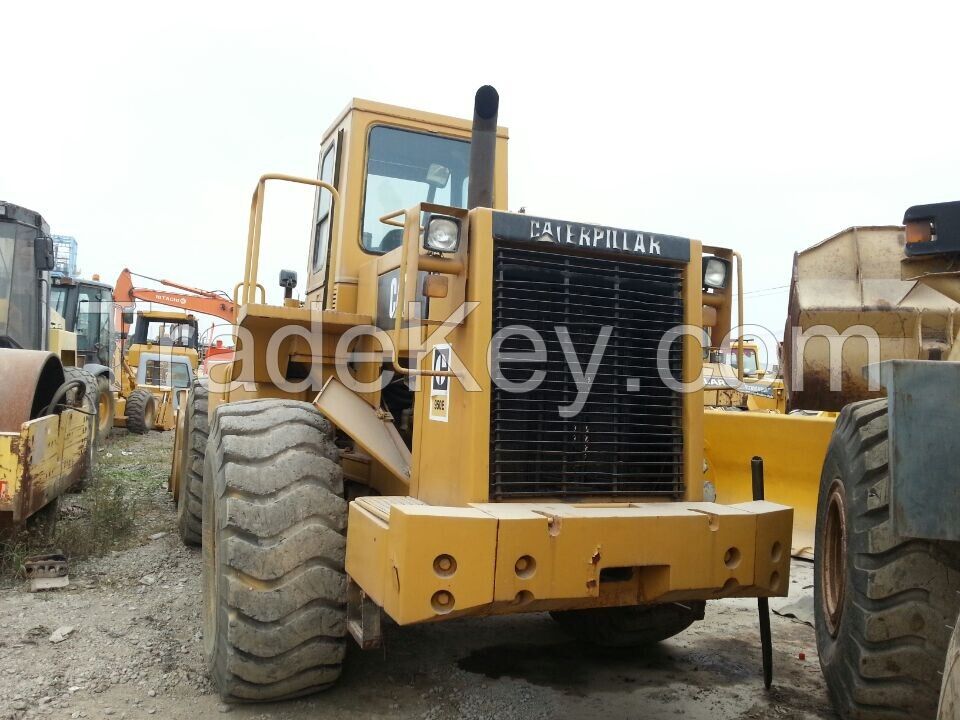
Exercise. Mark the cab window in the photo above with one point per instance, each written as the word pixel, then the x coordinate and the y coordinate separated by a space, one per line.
pixel 405 168
pixel 324 220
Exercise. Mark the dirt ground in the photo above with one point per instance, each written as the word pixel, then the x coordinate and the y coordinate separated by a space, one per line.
pixel 135 649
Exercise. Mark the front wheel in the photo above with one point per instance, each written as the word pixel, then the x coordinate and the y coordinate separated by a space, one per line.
pixel 274 584
pixel 193 447
pixel 141 411
pixel 881 602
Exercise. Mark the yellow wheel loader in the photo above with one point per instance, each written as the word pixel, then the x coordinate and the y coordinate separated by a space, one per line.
pixel 472 412
pixel 887 567
pixel 47 412
pixel 160 359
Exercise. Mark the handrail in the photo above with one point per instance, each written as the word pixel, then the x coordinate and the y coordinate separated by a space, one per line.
pixel 401 303
pixel 261 288
pixel 388 219
pixel 739 260
pixel 256 218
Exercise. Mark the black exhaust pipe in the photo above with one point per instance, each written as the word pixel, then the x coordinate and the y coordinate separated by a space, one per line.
pixel 483 148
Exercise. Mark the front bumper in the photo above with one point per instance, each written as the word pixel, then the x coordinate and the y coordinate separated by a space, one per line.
pixel 421 562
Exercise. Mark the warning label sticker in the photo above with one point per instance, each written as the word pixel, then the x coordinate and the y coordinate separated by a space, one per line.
pixel 440 385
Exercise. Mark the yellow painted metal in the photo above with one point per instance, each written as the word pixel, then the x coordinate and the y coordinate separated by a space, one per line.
pixel 373 430
pixel 41 461
pixel 518 557
pixel 792 447
pixel 656 551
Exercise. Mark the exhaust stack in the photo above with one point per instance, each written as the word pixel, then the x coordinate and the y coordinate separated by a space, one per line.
pixel 483 148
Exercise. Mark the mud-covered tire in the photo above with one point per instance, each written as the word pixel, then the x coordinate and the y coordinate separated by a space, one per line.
pixel 89 405
pixel 882 603
pixel 197 429
pixel 141 411
pixel 950 691
pixel 106 407
pixel 274 523
pixel 633 626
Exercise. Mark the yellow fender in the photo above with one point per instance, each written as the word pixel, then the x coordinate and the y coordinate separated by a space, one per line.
pixel 792 447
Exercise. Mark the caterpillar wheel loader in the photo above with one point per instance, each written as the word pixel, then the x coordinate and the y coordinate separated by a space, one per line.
pixel 887 567
pixel 47 410
pixel 160 359
pixel 467 415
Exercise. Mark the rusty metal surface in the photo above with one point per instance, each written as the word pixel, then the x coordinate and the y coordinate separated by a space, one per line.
pixel 852 284
pixel 28 380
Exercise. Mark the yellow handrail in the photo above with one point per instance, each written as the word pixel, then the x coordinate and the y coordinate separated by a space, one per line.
pixel 252 263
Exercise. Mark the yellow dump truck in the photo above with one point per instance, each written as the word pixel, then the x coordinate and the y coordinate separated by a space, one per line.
pixel 47 414
pixel 471 412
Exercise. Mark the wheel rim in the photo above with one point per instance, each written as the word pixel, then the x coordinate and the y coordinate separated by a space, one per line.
pixel 834 572
pixel 148 415
pixel 103 412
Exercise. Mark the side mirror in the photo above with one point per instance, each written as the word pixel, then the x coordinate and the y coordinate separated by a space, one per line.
pixel 127 317
pixel 44 255
pixel 288 281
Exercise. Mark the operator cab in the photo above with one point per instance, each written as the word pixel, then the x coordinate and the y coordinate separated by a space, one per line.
pixel 84 307
pixel 168 329
pixel 391 158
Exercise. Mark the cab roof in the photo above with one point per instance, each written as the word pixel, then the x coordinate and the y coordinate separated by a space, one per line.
pixel 402 113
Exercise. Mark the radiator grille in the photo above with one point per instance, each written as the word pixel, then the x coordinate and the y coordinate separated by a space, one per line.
pixel 622 443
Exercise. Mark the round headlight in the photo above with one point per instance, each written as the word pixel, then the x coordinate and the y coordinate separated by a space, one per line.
pixel 442 235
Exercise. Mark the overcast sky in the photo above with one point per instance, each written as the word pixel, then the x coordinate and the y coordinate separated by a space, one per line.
pixel 742 124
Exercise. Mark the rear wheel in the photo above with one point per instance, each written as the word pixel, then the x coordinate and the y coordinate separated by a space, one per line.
pixel 89 405
pixel 194 447
pixel 106 405
pixel 141 411
pixel 629 626
pixel 274 585
pixel 881 602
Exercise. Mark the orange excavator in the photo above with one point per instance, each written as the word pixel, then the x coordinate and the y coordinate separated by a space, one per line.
pixel 207 302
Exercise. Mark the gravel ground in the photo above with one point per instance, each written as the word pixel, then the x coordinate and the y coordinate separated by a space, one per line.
pixel 135 649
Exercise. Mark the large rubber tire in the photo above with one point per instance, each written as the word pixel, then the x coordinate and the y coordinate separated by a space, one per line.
pixel 881 602
pixel 950 692
pixel 89 406
pixel 106 407
pixel 274 585
pixel 141 411
pixel 629 626
pixel 197 429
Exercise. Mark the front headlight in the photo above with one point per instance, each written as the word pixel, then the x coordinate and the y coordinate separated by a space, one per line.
pixel 442 234
pixel 715 272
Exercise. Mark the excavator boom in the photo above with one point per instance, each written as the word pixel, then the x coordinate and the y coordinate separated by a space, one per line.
pixel 196 300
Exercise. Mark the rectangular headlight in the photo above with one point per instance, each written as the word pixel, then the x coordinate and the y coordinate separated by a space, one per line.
pixel 715 272
pixel 441 234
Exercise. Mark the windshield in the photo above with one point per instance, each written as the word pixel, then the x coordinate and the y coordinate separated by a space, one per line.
pixel 58 300
pixel 179 334
pixel 405 168
pixel 750 365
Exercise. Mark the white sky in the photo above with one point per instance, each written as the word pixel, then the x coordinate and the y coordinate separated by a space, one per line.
pixel 746 125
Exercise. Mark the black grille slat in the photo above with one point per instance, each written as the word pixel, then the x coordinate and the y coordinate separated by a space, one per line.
pixel 622 444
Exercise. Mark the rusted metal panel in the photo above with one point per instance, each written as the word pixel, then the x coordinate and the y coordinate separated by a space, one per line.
pixel 28 381
pixel 849 308
pixel 924 414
